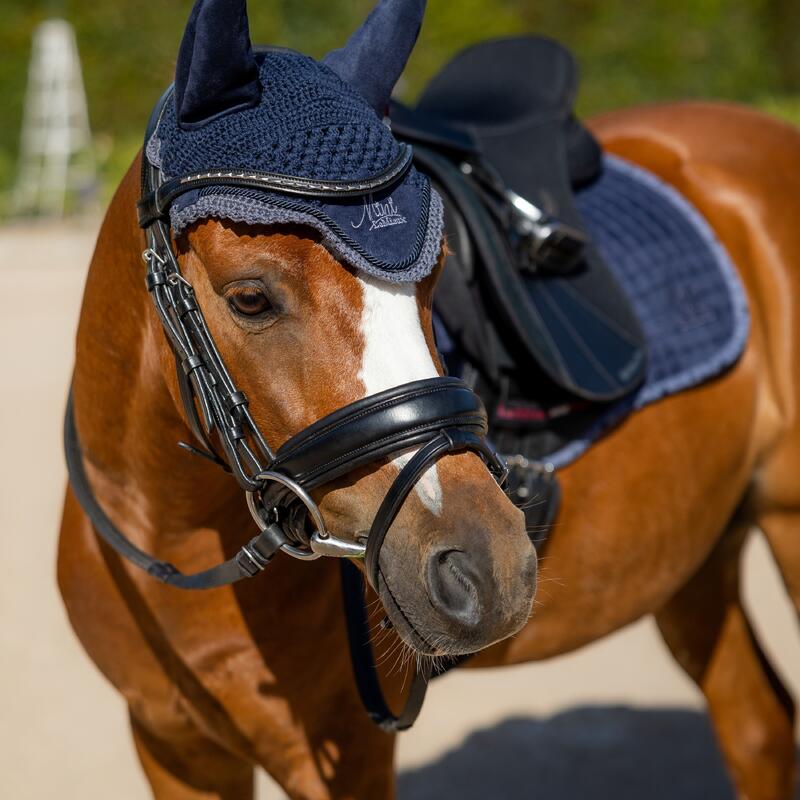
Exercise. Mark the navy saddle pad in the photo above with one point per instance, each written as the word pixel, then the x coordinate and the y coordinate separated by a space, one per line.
pixel 683 288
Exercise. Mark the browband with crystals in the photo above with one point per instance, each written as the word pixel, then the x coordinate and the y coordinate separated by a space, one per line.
pixel 156 203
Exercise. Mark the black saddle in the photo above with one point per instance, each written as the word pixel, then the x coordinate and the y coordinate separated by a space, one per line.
pixel 526 296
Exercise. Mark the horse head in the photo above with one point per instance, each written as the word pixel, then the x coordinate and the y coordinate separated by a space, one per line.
pixel 304 335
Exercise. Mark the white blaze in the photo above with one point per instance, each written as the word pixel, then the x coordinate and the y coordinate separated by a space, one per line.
pixel 395 352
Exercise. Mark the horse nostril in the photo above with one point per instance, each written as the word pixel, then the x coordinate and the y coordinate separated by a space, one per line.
pixel 453 586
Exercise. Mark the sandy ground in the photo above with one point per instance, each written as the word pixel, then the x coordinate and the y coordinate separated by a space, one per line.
pixel 616 719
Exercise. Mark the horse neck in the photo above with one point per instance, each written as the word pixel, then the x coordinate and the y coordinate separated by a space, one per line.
pixel 127 418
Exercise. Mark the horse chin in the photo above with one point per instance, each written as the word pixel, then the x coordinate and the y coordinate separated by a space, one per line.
pixel 406 629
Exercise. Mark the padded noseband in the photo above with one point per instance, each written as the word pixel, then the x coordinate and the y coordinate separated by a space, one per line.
pixel 379 426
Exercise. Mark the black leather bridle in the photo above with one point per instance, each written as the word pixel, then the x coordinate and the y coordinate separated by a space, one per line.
pixel 434 416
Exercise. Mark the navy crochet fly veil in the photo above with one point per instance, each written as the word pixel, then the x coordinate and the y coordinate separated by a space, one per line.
pixel 280 112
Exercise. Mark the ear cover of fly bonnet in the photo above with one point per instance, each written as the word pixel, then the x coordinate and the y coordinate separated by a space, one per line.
pixel 376 54
pixel 216 71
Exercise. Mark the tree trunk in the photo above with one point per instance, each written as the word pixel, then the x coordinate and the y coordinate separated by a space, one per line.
pixel 783 18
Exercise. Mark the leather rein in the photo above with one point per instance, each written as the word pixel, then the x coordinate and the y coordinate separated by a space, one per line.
pixel 434 417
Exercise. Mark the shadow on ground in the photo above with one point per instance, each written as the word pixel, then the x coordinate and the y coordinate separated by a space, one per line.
pixel 603 752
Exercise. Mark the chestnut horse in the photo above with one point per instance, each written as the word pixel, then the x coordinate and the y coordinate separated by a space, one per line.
pixel 220 681
pixel 258 674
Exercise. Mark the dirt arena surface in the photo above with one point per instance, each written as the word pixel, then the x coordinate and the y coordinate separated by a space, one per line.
pixel 617 719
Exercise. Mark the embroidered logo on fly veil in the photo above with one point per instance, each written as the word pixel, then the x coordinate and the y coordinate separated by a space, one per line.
pixel 380 214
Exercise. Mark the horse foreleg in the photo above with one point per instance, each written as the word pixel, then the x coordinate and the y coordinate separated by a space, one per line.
pixel 782 530
pixel 189 766
pixel 708 632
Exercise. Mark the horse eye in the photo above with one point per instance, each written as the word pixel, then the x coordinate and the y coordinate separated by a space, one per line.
pixel 249 301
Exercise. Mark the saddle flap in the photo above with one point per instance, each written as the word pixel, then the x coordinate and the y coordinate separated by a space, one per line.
pixel 578 327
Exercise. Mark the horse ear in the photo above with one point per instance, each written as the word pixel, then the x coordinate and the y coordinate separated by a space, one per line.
pixel 216 71
pixel 376 54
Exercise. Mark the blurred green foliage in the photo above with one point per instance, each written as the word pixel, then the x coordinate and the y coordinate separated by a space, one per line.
pixel 629 52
